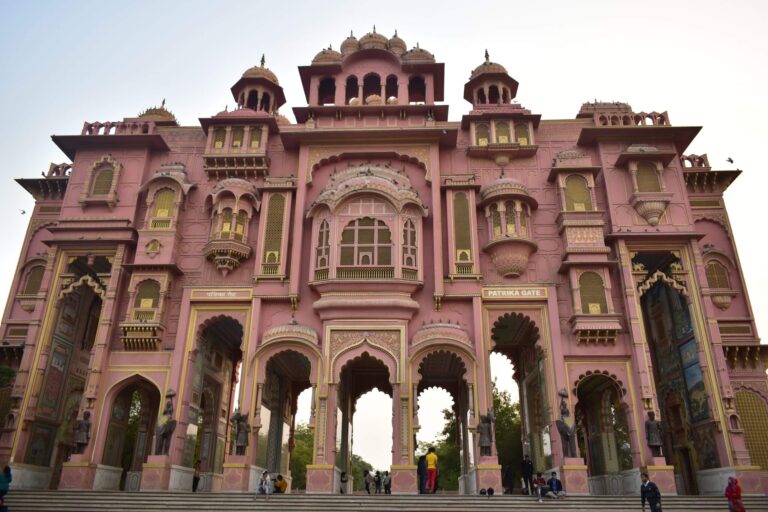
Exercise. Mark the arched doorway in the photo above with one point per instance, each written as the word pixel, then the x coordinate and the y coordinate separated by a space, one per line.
pixel 213 389
pixel 603 432
pixel 287 374
pixel 689 439
pixel 358 377
pixel 515 336
pixel 443 369
pixel 129 440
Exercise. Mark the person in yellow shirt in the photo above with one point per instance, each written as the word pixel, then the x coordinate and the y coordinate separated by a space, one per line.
pixel 280 485
pixel 431 470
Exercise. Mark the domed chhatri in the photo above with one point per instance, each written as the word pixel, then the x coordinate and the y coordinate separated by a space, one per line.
pixel 212 279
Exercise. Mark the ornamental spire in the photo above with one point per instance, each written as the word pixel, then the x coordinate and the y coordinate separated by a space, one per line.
pixel 262 60
pixel 487 57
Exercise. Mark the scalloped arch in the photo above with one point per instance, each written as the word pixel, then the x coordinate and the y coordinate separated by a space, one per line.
pixel 661 276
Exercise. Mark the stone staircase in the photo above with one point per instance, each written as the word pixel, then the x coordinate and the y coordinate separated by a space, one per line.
pixel 91 501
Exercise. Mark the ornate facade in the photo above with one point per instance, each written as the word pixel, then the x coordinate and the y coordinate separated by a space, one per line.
pixel 179 286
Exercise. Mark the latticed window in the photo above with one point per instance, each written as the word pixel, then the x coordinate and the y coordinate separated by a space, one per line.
pixel 322 251
pixel 237 137
pixel 147 295
pixel 461 227
pixel 162 209
pixel 102 181
pixel 511 214
pixel 717 275
pixel 255 138
pixel 754 417
pixel 226 223
pixel 273 234
pixel 495 220
pixel 502 133
pixel 577 196
pixel 524 221
pixel 218 138
pixel 366 242
pixel 34 280
pixel 592 294
pixel 521 134
pixel 647 178
pixel 241 222
pixel 409 244
pixel 482 135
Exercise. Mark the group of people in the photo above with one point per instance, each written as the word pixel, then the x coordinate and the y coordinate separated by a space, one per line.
pixel 378 482
pixel 426 472
pixel 268 486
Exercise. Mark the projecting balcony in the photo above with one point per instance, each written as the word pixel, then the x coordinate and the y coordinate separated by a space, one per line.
pixel 374 278
pixel 234 163
pixel 227 253
pixel 510 254
pixel 143 331
pixel 502 153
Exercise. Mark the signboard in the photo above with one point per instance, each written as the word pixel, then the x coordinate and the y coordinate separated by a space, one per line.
pixel 514 293
pixel 222 294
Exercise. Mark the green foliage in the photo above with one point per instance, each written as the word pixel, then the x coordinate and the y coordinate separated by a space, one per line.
pixel 358 465
pixel 303 439
pixel 448 449
pixel 6 376
pixel 508 432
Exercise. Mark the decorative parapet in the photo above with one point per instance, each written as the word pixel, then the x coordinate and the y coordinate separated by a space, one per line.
pixel 291 331
pixel 441 331
pixel 621 114
pixel 502 153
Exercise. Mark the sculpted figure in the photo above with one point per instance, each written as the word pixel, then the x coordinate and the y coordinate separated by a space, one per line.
pixel 485 433
pixel 242 429
pixel 565 426
pixel 82 432
pixel 164 431
pixel 653 434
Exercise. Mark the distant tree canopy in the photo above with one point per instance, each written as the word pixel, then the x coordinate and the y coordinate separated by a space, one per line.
pixel 508 442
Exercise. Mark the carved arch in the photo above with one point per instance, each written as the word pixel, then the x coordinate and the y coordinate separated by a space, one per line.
pixel 661 276
pixel 88 281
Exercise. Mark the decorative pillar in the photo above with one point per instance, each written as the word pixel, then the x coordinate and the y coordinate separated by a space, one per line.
pixel 403 470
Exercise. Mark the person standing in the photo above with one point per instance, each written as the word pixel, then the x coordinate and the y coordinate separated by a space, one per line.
pixel 368 479
pixel 528 474
pixel 733 493
pixel 343 482
pixel 5 483
pixel 387 482
pixel 421 473
pixel 431 486
pixel 377 481
pixel 196 476
pixel 650 493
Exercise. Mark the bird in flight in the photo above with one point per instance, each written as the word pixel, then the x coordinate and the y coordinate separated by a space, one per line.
pixel 729 160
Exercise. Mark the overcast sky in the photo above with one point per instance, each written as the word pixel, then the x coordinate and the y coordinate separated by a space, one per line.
pixel 62 63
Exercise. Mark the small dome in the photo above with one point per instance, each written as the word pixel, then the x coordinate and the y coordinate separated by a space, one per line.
pixel 487 67
pixel 374 99
pixel 506 187
pixel 418 54
pixel 261 72
pixel 397 45
pixel 281 119
pixel 327 56
pixel 373 40
pixel 349 45
pixel 157 114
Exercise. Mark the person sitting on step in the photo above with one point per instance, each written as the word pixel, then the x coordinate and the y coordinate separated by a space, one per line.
pixel 540 486
pixel 555 488
pixel 280 485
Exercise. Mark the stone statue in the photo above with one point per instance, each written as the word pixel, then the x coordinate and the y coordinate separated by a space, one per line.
pixel 653 434
pixel 82 432
pixel 485 432
pixel 165 427
pixel 242 429
pixel 565 426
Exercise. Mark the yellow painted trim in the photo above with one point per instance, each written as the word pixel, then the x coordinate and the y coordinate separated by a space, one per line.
pixel 77 464
pixel 320 466
pixel 403 466
pixel 668 468
pixel 574 466
pixel 748 468
pixel 488 466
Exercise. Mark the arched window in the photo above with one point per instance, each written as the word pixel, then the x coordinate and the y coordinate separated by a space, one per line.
pixel 524 213
pixel 237 137
pixel 495 220
pixel 493 95
pixel 266 102
pixel 326 92
pixel 521 134
pixel 218 138
pixel 147 295
pixel 255 137
pixel 461 227
pixel 366 242
pixel 102 181
pixel 409 244
pixel 482 135
pixel 371 85
pixel 351 89
pixel 417 90
pixel 391 88
pixel 511 214
pixel 253 100
pixel 240 225
pixel 647 178
pixel 226 223
pixel 162 209
pixel 592 294
pixel 502 133
pixel 273 232
pixel 322 251
pixel 34 280
pixel 481 96
pixel 717 275
pixel 577 195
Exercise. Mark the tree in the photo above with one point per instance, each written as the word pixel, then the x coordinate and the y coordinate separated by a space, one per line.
pixel 303 439
pixel 448 451
pixel 358 466
pixel 508 433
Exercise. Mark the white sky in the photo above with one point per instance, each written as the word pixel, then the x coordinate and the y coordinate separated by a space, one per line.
pixel 705 62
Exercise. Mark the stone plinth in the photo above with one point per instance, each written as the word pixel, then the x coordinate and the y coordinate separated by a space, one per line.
pixel 28 476
pixel 663 476
pixel 158 474
pixel 574 475
pixel 77 474
pixel 404 480
pixel 753 480
pixel 321 478
pixel 239 476
pixel 489 475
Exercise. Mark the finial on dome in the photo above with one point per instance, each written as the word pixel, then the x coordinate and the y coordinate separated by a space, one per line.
pixel 262 60
pixel 330 47
pixel 351 33
pixel 374 29
pixel 162 105
pixel 487 57
pixel 417 44
pixel 395 32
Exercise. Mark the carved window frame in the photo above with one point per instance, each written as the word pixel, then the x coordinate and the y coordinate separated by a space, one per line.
pixel 110 198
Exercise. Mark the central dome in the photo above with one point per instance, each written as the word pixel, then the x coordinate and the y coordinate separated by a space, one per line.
pixel 373 40
pixel 261 72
